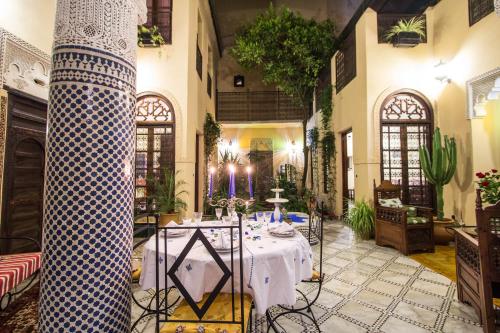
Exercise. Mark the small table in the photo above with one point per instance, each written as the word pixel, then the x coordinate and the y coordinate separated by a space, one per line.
pixel 272 266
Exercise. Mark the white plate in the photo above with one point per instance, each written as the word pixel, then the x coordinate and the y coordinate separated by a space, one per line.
pixel 174 233
pixel 227 250
pixel 283 235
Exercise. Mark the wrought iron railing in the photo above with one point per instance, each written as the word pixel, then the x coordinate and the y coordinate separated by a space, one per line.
pixel 257 106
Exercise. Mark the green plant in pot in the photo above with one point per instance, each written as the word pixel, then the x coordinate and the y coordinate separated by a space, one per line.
pixel 439 168
pixel 407 32
pixel 149 37
pixel 361 220
pixel 167 193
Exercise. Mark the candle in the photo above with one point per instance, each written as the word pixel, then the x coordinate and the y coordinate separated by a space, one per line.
pixel 210 182
pixel 250 189
pixel 232 186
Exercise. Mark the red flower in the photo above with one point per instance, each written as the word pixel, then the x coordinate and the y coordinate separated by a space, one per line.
pixel 480 175
pixel 494 170
pixel 485 183
pixel 487 174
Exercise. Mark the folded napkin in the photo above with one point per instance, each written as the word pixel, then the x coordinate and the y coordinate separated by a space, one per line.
pixel 281 228
pixel 223 241
pixel 171 224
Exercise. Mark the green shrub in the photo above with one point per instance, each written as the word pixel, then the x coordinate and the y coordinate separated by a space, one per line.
pixel 361 220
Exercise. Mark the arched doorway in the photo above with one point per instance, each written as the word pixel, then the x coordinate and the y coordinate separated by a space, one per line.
pixel 406 124
pixel 155 144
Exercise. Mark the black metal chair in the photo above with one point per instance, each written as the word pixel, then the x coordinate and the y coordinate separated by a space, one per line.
pixel 228 312
pixel 144 228
pixel 314 236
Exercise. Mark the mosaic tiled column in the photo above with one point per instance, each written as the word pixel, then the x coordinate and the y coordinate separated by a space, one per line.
pixel 88 208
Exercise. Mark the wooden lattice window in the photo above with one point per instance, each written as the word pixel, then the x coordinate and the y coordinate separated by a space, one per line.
pixel 199 61
pixel 209 85
pixel 406 124
pixel 345 62
pixel 479 9
pixel 160 14
pixel 155 145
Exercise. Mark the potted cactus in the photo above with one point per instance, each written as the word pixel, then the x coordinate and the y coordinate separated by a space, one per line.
pixel 439 167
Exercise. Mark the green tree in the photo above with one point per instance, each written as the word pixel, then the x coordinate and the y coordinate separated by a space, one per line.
pixel 290 51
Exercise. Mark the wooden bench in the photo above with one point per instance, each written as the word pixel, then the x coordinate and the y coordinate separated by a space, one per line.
pixel 17 268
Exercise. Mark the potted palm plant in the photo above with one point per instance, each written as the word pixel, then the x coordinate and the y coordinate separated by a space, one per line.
pixel 167 194
pixel 361 220
pixel 149 37
pixel 407 32
pixel 439 167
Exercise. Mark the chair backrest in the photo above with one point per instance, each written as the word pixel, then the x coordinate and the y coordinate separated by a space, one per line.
pixel 316 230
pixel 488 228
pixel 386 190
pixel 230 272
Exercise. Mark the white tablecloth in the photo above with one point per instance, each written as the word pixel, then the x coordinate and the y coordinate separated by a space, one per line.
pixel 272 266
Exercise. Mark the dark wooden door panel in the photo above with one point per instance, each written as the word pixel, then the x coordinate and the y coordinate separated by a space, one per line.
pixel 263 162
pixel 22 205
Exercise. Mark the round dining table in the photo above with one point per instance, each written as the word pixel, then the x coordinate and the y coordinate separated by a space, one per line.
pixel 272 266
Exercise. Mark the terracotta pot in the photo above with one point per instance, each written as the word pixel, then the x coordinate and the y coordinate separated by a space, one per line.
pixel 443 236
pixel 165 218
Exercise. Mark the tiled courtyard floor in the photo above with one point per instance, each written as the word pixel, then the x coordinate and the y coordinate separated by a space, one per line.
pixel 371 289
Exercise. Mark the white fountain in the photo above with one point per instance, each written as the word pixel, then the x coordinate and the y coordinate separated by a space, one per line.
pixel 277 201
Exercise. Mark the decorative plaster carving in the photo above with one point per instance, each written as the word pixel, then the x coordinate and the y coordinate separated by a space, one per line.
pixel 23 66
pixel 103 25
pixel 477 92
pixel 261 144
pixel 497 7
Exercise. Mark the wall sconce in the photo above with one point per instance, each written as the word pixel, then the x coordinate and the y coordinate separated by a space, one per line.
pixel 441 72
pixel 494 94
pixel 479 110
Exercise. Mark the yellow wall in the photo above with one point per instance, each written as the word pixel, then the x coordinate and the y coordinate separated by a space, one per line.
pixel 30 20
pixel 281 135
pixel 383 69
pixel 171 72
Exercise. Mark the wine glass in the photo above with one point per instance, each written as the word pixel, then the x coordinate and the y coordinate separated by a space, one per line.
pixel 260 216
pixel 230 212
pixel 267 217
pixel 218 212
pixel 197 217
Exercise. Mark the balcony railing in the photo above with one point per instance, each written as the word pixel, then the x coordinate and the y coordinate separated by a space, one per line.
pixel 257 106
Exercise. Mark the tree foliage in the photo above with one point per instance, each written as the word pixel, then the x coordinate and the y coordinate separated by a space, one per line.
pixel 289 50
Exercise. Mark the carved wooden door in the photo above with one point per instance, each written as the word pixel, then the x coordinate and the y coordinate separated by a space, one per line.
pixel 263 163
pixel 155 146
pixel 22 204
pixel 406 124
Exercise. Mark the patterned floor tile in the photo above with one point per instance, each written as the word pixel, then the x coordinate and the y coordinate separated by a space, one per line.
pixel 415 313
pixel 395 325
pixel 359 312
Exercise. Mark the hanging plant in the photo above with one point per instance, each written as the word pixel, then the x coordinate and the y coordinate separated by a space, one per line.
pixel 326 107
pixel 313 138
pixel 328 150
pixel 149 37
pixel 407 33
pixel 212 133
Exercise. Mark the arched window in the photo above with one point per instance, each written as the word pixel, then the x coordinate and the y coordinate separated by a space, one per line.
pixel 406 124
pixel 155 144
